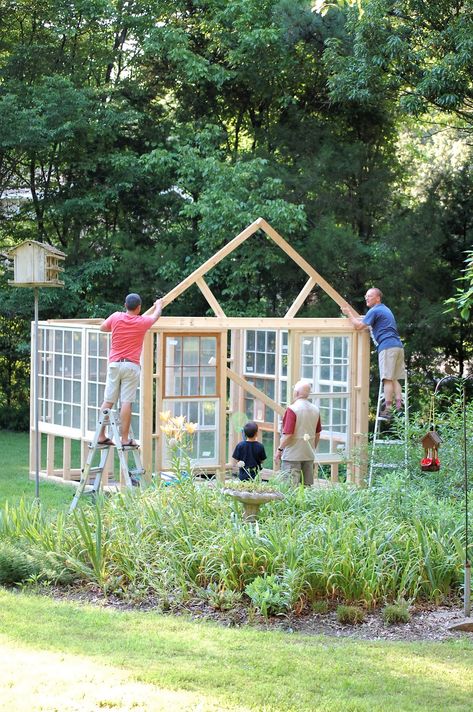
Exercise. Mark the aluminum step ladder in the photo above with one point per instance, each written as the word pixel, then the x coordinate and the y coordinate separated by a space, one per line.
pixel 383 442
pixel 131 476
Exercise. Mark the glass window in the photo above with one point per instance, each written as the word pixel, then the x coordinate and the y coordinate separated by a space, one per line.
pixel 60 376
pixel 324 361
pixel 190 366
pixel 204 413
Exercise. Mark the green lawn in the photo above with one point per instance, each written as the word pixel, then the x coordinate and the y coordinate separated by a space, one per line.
pixel 15 483
pixel 179 661
pixel 67 656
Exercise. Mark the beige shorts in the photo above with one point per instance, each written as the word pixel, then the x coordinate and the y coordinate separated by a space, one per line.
pixel 123 379
pixel 391 364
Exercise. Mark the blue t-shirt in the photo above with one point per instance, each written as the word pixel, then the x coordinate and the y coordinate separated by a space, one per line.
pixel 383 327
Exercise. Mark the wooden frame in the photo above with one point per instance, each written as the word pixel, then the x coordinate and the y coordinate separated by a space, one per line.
pixel 230 371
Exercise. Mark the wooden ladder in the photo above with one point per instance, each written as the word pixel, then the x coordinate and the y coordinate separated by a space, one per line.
pixel 382 438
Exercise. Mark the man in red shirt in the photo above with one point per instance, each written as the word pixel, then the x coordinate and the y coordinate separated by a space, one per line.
pixel 301 428
pixel 128 331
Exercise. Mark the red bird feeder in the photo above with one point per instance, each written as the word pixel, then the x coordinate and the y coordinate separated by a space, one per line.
pixel 430 442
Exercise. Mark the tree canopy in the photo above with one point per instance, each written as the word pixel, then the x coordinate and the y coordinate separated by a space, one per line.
pixel 140 137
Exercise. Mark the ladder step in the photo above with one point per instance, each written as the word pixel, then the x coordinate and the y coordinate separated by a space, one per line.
pixel 380 441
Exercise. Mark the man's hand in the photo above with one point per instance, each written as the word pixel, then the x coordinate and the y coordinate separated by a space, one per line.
pixel 158 308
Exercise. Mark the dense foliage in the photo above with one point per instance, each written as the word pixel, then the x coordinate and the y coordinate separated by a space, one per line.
pixel 140 137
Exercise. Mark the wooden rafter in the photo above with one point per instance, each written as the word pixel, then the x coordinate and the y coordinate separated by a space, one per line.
pixel 259 224
pixel 210 297
pixel 300 299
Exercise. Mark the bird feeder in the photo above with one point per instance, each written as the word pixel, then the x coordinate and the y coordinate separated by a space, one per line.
pixel 430 442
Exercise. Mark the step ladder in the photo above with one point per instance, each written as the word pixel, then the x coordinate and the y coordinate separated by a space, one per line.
pixel 383 440
pixel 131 476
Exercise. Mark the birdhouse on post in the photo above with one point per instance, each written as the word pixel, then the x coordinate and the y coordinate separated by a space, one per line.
pixel 36 264
pixel 430 442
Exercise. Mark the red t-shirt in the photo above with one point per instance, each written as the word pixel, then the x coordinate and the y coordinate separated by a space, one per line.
pixel 128 333
pixel 289 423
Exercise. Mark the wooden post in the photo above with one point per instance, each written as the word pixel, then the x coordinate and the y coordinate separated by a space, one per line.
pixel 66 459
pixel 222 390
pixel 146 406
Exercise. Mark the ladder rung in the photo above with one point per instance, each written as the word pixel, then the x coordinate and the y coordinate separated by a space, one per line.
pixel 387 465
pixel 388 442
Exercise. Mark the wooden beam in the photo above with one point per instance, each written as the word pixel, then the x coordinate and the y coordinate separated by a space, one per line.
pixel 255 392
pixel 308 269
pixel 208 294
pixel 206 266
pixel 299 301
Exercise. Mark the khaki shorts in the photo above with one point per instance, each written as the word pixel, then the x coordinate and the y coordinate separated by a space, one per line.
pixel 291 470
pixel 391 364
pixel 123 379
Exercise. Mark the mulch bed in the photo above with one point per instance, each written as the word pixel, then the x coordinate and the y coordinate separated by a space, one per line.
pixel 428 623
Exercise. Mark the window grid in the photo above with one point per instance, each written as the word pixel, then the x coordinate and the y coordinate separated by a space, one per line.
pixel 205 414
pixel 60 376
pixel 98 348
pixel 325 362
pixel 260 352
pixel 191 366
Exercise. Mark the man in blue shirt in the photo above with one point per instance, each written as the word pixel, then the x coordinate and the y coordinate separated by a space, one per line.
pixel 380 320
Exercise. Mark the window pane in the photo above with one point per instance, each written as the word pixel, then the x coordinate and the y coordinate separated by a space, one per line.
pixel 68 366
pixel 191 351
pixel 250 340
pixel 93 344
pixel 250 362
pixel 208 350
pixel 190 381
pixel 103 345
pixel 76 392
pixel 271 342
pixel 206 445
pixel 208 382
pixel 261 341
pixel 271 364
pixel 57 389
pixel 58 341
pixel 68 342
pixel 77 343
pixel 102 370
pixel 260 363
pixel 208 415
pixel 173 351
pixel 173 382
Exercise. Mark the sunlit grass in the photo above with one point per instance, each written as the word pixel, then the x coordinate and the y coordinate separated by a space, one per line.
pixel 205 667
pixel 15 483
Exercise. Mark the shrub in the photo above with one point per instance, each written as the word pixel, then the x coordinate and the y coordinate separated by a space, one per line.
pixel 396 613
pixel 350 615
pixel 221 598
pixel 15 565
pixel 268 595
pixel 320 607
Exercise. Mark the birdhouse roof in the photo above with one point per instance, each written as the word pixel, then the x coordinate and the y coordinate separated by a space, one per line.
pixel 43 245
pixel 431 439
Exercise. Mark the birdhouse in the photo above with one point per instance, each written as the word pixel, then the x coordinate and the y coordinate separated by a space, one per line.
pixel 36 264
pixel 430 442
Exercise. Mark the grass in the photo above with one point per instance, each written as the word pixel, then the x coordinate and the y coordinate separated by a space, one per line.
pixel 202 666
pixel 15 483
pixel 62 655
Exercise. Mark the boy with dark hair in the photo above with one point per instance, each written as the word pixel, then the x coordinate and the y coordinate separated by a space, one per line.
pixel 249 453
